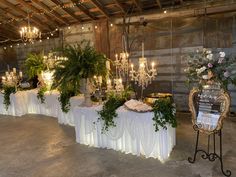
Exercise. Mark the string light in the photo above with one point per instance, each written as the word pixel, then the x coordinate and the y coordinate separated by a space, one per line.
pixel 44 12
pixel 111 25
pixel 165 11
pixel 51 33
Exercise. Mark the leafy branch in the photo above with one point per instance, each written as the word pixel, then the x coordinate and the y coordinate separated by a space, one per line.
pixel 8 90
pixel 40 94
pixel 108 112
pixel 164 113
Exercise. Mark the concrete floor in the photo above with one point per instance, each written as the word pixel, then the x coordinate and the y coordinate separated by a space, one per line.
pixel 37 146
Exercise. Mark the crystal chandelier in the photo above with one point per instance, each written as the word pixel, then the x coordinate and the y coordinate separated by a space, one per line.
pixel 122 60
pixel 143 76
pixel 29 33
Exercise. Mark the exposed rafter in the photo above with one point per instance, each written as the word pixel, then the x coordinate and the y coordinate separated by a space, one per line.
pixel 31 7
pixel 55 14
pixel 159 4
pixel 58 2
pixel 138 5
pixel 101 8
pixel 24 14
pixel 118 3
pixel 85 11
pixel 9 35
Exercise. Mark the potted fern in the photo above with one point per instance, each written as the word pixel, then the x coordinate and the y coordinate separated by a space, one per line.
pixel 34 65
pixel 83 63
pixel 92 64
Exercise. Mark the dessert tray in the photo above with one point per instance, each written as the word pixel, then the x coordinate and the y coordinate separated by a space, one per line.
pixel 137 106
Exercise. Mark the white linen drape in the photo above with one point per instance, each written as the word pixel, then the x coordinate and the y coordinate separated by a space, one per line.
pixel 134 133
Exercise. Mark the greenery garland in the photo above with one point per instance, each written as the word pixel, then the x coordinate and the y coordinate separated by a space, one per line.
pixel 8 90
pixel 40 94
pixel 65 101
pixel 108 112
pixel 164 112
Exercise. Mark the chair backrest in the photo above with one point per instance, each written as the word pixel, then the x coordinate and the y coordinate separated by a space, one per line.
pixel 209 107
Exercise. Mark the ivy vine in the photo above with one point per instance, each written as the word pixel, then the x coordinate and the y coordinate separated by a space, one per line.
pixel 164 112
pixel 65 100
pixel 108 112
pixel 8 90
pixel 40 94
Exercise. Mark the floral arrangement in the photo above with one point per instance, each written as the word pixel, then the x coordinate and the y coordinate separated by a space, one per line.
pixel 206 67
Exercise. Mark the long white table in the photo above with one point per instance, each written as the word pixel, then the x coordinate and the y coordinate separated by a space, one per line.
pixel 26 102
pixel 134 132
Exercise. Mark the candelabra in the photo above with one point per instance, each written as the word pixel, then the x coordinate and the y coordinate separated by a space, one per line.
pixel 122 63
pixel 51 59
pixel 47 77
pixel 12 78
pixel 143 76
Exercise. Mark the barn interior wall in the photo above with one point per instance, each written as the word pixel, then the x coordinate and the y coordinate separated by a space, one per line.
pixel 166 43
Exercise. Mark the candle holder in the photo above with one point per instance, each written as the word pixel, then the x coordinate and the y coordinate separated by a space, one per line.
pixel 122 64
pixel 51 59
pixel 143 76
pixel 12 78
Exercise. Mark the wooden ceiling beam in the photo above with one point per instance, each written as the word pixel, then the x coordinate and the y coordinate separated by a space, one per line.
pixel 159 4
pixel 24 14
pixel 58 2
pixel 11 16
pixel 48 10
pixel 101 8
pixel 9 35
pixel 85 11
pixel 31 7
pixel 118 3
pixel 138 5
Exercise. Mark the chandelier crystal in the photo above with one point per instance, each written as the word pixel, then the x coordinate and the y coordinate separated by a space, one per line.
pixel 144 75
pixel 29 33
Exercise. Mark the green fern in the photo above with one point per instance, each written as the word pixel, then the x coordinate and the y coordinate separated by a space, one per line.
pixel 34 65
pixel 83 62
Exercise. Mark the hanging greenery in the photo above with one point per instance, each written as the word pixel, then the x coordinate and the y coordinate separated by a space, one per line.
pixel 108 112
pixel 8 90
pixel 164 113
pixel 34 65
pixel 83 62
pixel 40 94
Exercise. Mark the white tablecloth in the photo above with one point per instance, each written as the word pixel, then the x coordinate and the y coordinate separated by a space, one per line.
pixel 18 106
pixel 49 107
pixel 68 118
pixel 134 133
pixel 26 102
